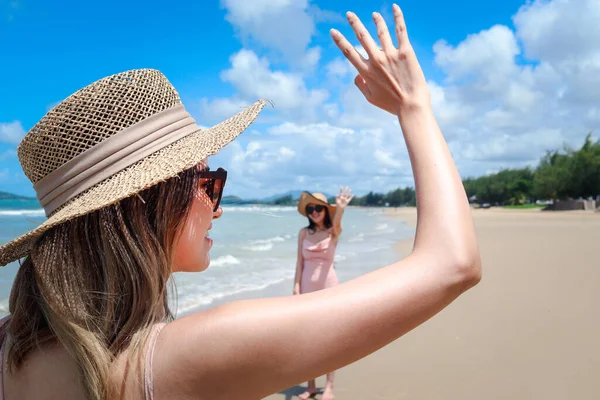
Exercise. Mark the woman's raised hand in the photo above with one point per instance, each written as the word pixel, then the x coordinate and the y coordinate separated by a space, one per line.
pixel 391 78
pixel 344 197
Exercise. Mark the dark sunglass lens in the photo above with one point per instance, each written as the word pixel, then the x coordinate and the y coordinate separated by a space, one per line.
pixel 209 188
pixel 218 188
pixel 319 208
pixel 309 209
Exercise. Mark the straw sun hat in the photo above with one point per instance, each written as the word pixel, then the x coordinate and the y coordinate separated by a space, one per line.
pixel 307 198
pixel 110 140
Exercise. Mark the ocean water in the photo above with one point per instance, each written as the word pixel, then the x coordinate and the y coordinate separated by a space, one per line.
pixel 254 247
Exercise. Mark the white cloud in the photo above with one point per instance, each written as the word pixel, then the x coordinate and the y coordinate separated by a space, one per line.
pixel 559 30
pixel 268 22
pixel 285 154
pixel 489 53
pixel 11 132
pixel 331 111
pixel 448 110
pixel 323 129
pixel 292 156
pixel 221 108
pixel 519 148
pixel 565 35
pixel 253 78
pixel 386 159
pixel 312 58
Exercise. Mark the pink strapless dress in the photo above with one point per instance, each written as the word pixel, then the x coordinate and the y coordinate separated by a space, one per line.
pixel 318 272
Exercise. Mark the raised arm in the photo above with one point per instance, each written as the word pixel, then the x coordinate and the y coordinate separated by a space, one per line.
pixel 249 349
pixel 299 262
pixel 341 200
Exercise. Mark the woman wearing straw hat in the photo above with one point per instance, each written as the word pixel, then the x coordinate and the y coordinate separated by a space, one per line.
pixel 316 252
pixel 120 169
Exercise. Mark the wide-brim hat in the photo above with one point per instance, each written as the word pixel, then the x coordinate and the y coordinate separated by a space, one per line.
pixel 307 198
pixel 111 140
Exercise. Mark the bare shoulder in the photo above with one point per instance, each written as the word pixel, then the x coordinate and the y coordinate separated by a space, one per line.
pixel 49 372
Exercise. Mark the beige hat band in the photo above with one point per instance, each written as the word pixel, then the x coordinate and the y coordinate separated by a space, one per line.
pixel 112 155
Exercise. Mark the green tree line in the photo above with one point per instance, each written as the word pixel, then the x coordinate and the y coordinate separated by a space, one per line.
pixel 560 175
pixel 395 198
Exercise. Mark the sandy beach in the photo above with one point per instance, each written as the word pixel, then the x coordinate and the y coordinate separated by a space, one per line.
pixel 529 330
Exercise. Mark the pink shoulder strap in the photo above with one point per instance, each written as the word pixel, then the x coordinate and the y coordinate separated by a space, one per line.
pixel 303 233
pixel 148 379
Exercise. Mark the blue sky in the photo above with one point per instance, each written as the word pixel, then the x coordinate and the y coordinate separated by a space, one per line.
pixel 509 80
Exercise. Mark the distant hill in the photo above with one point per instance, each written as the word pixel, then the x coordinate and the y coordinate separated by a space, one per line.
pixel 288 198
pixel 294 193
pixel 10 196
pixel 233 200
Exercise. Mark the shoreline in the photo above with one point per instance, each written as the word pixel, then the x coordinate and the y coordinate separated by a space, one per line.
pixel 402 248
pixel 285 286
pixel 282 288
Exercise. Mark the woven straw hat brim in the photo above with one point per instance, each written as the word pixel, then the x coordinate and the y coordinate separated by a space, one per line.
pixel 158 167
pixel 307 198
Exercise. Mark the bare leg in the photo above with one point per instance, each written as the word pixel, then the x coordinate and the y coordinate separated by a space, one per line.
pixel 310 392
pixel 328 393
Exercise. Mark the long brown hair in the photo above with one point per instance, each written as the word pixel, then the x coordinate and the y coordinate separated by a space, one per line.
pixel 98 283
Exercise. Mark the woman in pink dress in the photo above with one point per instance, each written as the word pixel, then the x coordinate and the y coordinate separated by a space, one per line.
pixel 316 252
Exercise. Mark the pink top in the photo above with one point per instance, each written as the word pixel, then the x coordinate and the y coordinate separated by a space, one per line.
pixel 148 379
pixel 318 272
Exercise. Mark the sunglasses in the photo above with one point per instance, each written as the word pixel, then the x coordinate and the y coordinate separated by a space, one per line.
pixel 311 209
pixel 213 185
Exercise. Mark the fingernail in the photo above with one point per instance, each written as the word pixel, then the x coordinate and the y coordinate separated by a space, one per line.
pixel 396 7
pixel 375 14
pixel 334 32
pixel 349 14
